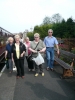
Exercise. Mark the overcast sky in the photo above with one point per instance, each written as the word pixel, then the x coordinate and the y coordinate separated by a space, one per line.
pixel 18 15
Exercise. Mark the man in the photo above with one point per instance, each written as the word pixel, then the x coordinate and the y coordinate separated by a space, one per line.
pixel 50 41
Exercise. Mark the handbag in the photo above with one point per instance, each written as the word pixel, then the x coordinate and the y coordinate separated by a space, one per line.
pixel 30 56
pixel 39 59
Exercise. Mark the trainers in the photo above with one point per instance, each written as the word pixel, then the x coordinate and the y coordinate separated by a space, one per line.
pixel 43 74
pixel 52 69
pixel 29 70
pixel 23 76
pixel 47 68
pixel 33 70
pixel 36 74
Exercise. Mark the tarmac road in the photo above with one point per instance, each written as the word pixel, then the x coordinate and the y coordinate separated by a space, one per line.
pixel 49 87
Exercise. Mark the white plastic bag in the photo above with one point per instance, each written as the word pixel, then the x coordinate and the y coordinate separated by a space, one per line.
pixel 39 59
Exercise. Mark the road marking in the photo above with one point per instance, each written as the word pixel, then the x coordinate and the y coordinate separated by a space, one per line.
pixel 2 70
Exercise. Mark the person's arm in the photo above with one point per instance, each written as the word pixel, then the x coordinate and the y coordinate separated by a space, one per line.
pixel 24 50
pixel 12 51
pixel 56 43
pixel 6 51
pixel 57 49
pixel 43 50
pixel 44 47
pixel 34 51
pixel 6 54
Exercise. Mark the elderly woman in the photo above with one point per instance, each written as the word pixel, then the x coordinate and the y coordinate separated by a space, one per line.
pixel 8 53
pixel 39 48
pixel 18 51
pixel 28 52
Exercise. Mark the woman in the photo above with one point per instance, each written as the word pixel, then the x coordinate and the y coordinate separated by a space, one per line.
pixel 28 52
pixel 40 47
pixel 8 54
pixel 18 51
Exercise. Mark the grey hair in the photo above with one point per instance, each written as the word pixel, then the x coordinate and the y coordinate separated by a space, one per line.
pixel 36 34
pixel 16 36
pixel 27 37
pixel 50 30
pixel 10 38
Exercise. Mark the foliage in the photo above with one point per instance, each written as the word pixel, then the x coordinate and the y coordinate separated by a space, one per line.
pixel 30 35
pixel 61 28
pixel 73 50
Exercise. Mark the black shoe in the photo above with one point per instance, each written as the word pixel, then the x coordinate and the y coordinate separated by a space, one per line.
pixel 47 68
pixel 52 69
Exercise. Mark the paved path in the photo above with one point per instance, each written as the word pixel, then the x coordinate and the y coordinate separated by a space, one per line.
pixel 49 87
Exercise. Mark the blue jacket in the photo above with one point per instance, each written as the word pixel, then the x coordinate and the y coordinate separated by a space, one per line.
pixel 8 49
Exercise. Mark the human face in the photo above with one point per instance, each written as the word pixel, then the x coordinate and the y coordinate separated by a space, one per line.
pixel 50 33
pixel 11 41
pixel 27 40
pixel 17 39
pixel 36 38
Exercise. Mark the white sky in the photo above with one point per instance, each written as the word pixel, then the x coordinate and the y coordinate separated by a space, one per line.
pixel 18 15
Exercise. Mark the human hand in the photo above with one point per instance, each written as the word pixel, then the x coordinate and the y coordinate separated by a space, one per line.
pixel 58 52
pixel 12 59
pixel 21 54
pixel 35 51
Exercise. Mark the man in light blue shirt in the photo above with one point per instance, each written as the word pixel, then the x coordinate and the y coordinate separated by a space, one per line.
pixel 50 41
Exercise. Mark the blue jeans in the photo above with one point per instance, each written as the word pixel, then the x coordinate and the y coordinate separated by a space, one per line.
pixel 10 64
pixel 50 57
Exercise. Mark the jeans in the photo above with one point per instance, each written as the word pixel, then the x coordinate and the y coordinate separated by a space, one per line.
pixel 50 56
pixel 10 64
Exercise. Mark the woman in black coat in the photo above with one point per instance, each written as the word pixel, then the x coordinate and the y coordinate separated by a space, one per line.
pixel 18 51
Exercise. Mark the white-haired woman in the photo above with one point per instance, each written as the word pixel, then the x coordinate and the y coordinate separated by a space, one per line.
pixel 8 53
pixel 40 48
pixel 18 51
pixel 28 52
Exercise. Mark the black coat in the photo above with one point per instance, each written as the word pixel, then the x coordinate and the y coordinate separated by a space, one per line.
pixel 21 49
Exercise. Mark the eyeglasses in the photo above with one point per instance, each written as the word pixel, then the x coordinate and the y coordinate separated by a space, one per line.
pixel 49 32
pixel 35 37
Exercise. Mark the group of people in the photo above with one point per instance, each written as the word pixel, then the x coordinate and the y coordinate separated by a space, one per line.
pixel 17 50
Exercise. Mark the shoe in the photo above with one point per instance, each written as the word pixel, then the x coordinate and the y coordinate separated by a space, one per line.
pixel 29 70
pixel 33 70
pixel 43 74
pixel 52 69
pixel 36 74
pixel 10 71
pixel 17 77
pixel 47 68
pixel 23 76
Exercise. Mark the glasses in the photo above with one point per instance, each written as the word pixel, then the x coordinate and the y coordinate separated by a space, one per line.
pixel 49 32
pixel 35 37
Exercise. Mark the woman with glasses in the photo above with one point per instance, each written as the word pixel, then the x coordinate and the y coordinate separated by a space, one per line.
pixel 35 49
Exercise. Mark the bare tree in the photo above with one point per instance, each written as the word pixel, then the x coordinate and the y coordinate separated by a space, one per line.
pixel 56 18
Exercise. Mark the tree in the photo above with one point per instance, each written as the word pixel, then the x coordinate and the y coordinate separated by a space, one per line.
pixel 46 20
pixel 56 18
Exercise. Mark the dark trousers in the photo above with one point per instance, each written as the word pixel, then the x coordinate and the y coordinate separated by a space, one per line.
pixel 30 64
pixel 20 67
pixel 38 67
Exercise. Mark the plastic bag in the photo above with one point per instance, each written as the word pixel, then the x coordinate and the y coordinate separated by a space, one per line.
pixel 39 59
